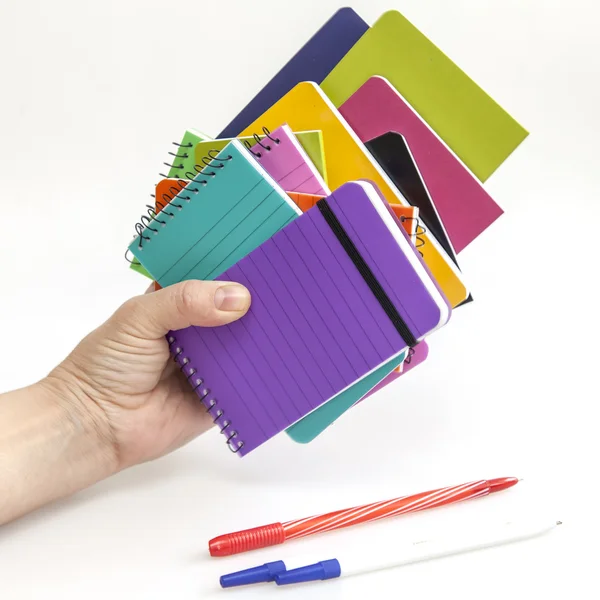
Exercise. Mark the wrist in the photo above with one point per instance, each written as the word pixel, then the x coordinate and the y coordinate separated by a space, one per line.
pixel 50 448
pixel 86 421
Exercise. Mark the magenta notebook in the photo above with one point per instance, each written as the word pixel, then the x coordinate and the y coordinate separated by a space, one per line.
pixel 464 206
pixel 285 160
pixel 335 294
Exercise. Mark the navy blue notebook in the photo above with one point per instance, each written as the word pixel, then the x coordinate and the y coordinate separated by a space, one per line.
pixel 313 62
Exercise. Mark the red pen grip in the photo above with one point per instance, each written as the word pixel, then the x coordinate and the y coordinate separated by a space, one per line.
pixel 246 540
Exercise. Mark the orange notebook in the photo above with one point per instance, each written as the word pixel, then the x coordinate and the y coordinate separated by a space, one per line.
pixel 166 190
pixel 304 201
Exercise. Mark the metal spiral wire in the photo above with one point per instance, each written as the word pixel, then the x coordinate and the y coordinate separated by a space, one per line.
pixel 203 392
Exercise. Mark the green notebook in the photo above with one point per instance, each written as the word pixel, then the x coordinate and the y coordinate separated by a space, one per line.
pixel 182 159
pixel 471 123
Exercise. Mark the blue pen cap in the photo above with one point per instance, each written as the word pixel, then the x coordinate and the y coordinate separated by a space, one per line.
pixel 326 569
pixel 266 572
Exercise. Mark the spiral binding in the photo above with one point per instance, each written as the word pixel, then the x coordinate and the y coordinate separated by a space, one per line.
pixel 204 393
pixel 182 151
pixel 166 199
pixel 419 232
pixel 209 167
pixel 259 142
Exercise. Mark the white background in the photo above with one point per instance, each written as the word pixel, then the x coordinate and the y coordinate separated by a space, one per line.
pixel 93 93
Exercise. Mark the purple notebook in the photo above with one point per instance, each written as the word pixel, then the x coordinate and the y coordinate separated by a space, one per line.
pixel 335 294
pixel 313 62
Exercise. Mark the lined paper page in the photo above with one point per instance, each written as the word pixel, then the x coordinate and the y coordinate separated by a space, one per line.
pixel 218 223
pixel 314 327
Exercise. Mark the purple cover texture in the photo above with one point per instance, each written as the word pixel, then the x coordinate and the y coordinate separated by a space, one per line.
pixel 313 62
pixel 314 326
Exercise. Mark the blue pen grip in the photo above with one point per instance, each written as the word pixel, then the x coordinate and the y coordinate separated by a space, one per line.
pixel 326 569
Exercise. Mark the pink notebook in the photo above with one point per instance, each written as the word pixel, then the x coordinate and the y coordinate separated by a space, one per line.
pixel 286 161
pixel 465 208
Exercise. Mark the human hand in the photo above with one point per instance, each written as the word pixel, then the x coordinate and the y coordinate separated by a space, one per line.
pixel 121 379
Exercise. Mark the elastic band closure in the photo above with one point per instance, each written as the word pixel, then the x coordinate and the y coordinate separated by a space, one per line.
pixel 364 269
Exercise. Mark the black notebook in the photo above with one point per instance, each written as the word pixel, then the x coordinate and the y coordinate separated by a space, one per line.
pixel 392 153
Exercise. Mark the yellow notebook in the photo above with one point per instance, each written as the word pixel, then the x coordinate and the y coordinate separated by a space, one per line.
pixel 477 129
pixel 305 108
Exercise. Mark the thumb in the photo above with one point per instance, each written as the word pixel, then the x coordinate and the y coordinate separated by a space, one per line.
pixel 200 303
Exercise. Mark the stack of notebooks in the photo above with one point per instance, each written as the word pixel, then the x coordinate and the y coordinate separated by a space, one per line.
pixel 341 197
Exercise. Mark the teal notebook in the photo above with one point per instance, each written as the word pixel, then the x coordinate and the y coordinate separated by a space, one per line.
pixel 313 424
pixel 228 209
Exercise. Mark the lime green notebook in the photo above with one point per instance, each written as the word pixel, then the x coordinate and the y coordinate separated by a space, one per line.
pixel 182 159
pixel 475 127
pixel 311 141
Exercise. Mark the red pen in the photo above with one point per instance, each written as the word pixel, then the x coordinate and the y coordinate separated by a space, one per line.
pixel 277 533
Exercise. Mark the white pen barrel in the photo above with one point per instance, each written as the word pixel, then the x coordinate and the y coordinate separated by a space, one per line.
pixel 463 541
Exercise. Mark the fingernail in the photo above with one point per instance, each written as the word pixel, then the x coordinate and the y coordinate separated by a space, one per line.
pixel 232 298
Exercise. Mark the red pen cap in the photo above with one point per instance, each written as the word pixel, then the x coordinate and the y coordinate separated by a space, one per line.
pixel 246 540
